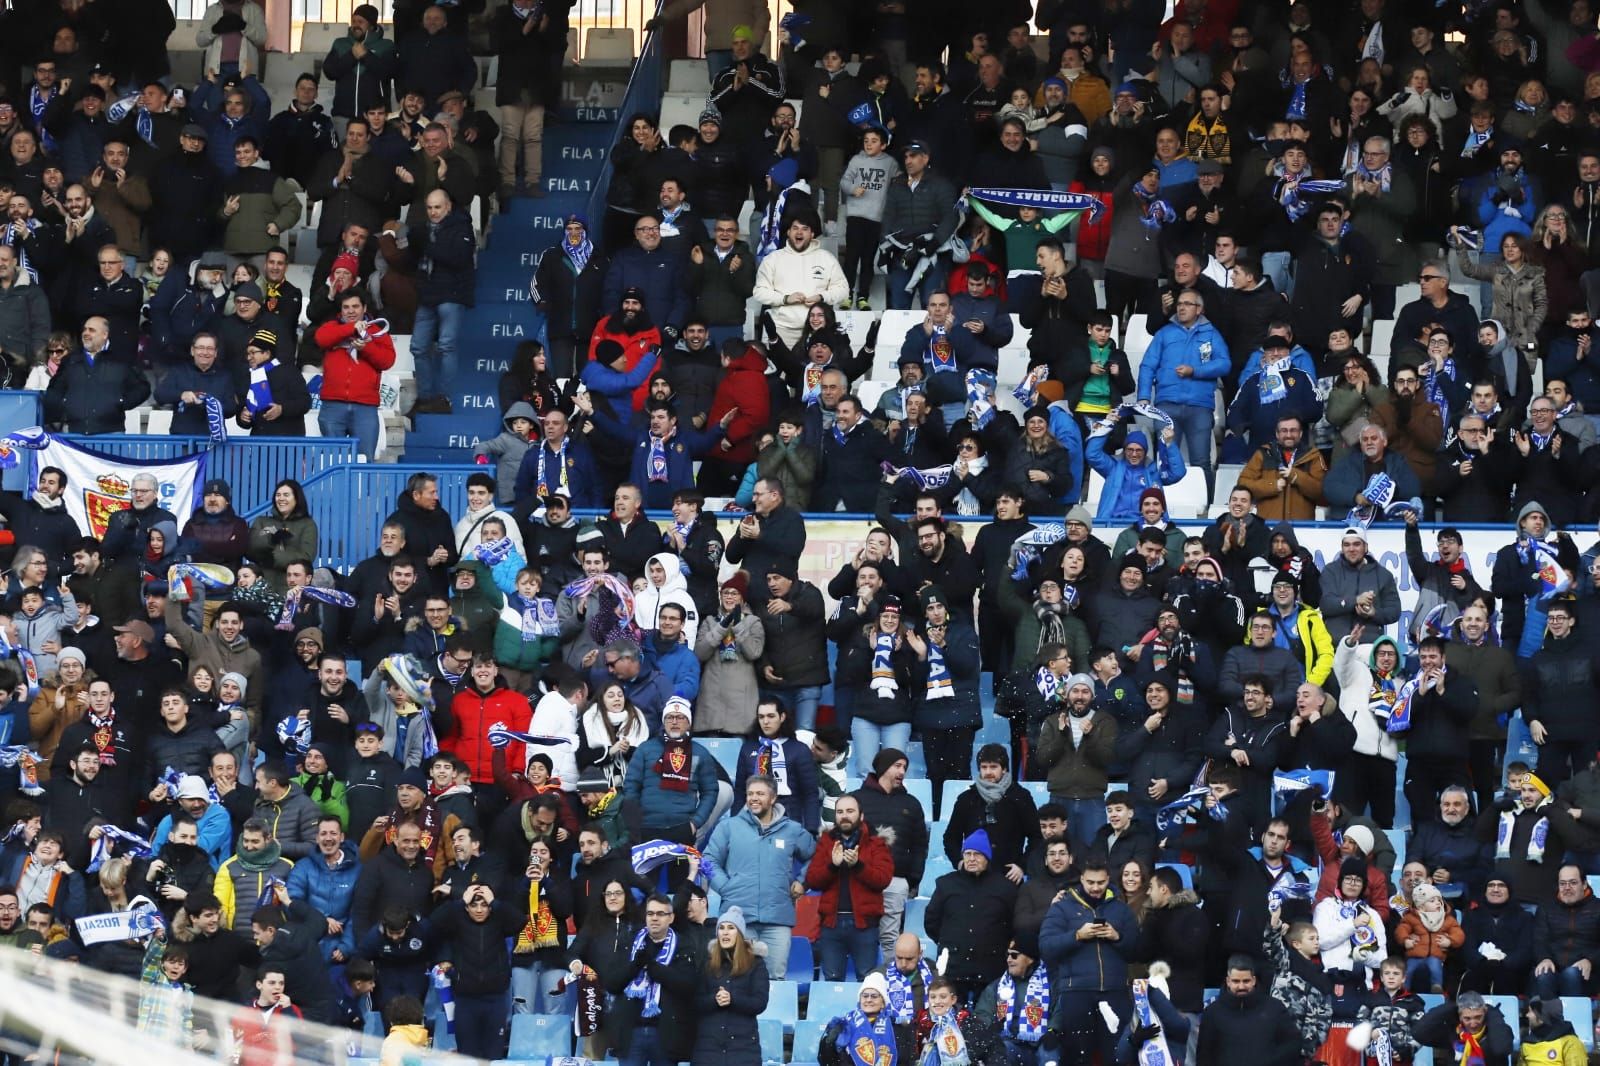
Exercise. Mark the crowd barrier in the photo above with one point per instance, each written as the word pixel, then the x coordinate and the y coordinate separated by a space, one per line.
pixel 252 466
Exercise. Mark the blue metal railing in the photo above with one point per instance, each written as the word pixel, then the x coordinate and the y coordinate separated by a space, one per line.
pixel 252 466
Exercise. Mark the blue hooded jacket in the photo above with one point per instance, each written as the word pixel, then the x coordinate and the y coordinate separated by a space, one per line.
pixel 1119 499
pixel 1199 346
pixel 330 891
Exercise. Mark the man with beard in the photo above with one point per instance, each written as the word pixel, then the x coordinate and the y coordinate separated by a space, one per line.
pixel 1515 580
pixel 437 164
pixel 632 326
pixel 851 867
pixel 1348 478
pixel 82 235
pixel 80 131
pixel 360 65
pixel 355 185
pixel 112 732
pixel 41 519
pixel 70 801
pixel 1075 746
pixel 185 192
pixel 38 250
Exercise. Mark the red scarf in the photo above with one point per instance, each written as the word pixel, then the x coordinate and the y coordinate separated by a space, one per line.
pixel 674 764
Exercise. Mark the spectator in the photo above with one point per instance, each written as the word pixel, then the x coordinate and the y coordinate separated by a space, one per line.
pixel 977 901
pixel 1087 941
pixel 1245 1015
pixel 999 807
pixel 1356 590
pixel 447 251
pixel 762 881
pixel 94 387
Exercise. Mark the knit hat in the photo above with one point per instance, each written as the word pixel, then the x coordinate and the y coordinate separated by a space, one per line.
pixel 875 982
pixel 932 594
pixel 1351 866
pixel 1079 513
pixel 1162 678
pixel 678 705
pixel 414 777
pixel 1074 680
pixel 886 758
pixel 890 602
pixel 1154 493
pixel 249 291
pixel 71 653
pixel 785 567
pixel 191 787
pixel 264 339
pixel 593 781
pixel 238 679
pixel 1533 779
pixel 1103 150
pixel 1426 894
pixel 1037 411
pixel 312 633
pixel 978 841
pixel 1283 577
pixel 1136 436
pixel 711 115
pixel 545 760
pixel 608 351
pixel 1532 507
pixel 345 261
pixel 739 581
pixel 1057 82
pixel 1361 837
pixel 368 12
pixel 218 487
pixel 734 916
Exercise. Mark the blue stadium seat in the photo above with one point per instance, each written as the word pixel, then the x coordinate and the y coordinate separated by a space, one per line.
pixel 1579 1010
pixel 1431 1000
pixel 1184 872
pixel 1423 1057
pixel 540 1036
pixel 947 800
pixel 771 1040
pixel 937 866
pixel 807 1035
pixel 830 999
pixel 1039 790
pixel 802 963
pixel 1397 838
pixel 916 911
pixel 783 1001
pixel 374 1023
pixel 725 750
pixel 922 789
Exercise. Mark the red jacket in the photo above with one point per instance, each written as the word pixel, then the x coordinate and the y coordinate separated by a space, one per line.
pixel 743 385
pixel 868 878
pixel 1328 884
pixel 1094 237
pixel 349 375
pixel 636 345
pixel 468 737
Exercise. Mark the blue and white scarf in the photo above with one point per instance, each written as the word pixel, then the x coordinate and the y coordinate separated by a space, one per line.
pixel 811 384
pixel 500 735
pixel 883 682
pixel 669 219
pixel 294 733
pixel 651 854
pixel 940 353
pixel 1537 840
pixel 1286 783
pixel 145 126
pixel 1290 188
pixel 1026 549
pixel 1270 384
pixel 537 618
pixel 493 553
pixel 768 759
pixel 641 987
pixel 1153 213
pixel 118 841
pixel 1384 175
pixel 542 486
pixel 25 264
pixel 980 409
pixel 292 598
pixel 1476 140
pixel 439 977
pixel 259 396
pixel 656 466
pixel 940 687
pixel 932 477
pixel 902 1008
pixel 26 762
pixel 1028 390
pixel 140 920
pixel 1041 200
pixel 1400 714
pixel 1297 101
pixel 36 106
pixel 946 1046
pixel 868 1041
pixel 1433 388
pixel 1152 1052
pixel 577 254
pixel 216 424
pixel 1026 1024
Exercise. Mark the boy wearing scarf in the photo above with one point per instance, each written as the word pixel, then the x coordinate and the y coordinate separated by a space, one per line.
pixel 940 1027
pixel 1525 855
pixel 655 992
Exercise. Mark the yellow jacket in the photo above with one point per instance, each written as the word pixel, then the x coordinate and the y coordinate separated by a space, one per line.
pixel 1565 1050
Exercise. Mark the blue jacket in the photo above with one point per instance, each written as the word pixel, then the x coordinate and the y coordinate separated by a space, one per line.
pixel 1181 171
pixel 331 892
pixel 1257 419
pixel 1119 499
pixel 1495 222
pixel 583 481
pixel 222 132
pixel 804 802
pixel 1349 476
pixel 969 352
pixel 1299 358
pixel 678 664
pixel 1199 346
pixel 756 864
pixel 1064 427
pixel 216 834
pixel 649 691
pixel 662 275
pixel 664 808
pixel 1087 965
pixel 615 385
pixel 681 450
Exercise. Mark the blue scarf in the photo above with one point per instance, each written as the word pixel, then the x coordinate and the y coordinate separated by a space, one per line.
pixel 1384 175
pixel 1433 388
pixel 868 1041
pixel 641 987
pixel 145 125
pixel 980 409
pixel 901 1000
pixel 946 1046
pixel 883 682
pixel 941 353
pixel 259 397
pixel 493 553
pixel 657 466
pixel 37 105
pixel 811 384
pixel 1153 213
pixel 940 687
pixel 1152 1052
pixel 1027 1024
pixel 542 486
pixel 23 262
pixel 1297 101
pixel 578 254
pixel 1476 140
pixel 216 425
pixel 1288 191
pixel 841 435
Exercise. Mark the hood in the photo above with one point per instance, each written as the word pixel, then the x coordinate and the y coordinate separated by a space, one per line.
pixel 169 535
pixel 520 409
pixel 1285 530
pixel 1505 338
pixel 1372 656
pixel 676 581
pixel 750 359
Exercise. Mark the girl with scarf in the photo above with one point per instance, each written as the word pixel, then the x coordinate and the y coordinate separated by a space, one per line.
pixel 733 992
pixel 802 365
pixel 527 636
pixel 772 749
pixel 602 947
pixel 1050 616
pixel 1520 299
pixel 62 700
pixel 528 380
pixel 567 286
pixel 611 728
pixel 1429 933
pixel 1349 929
pixel 865 1036
pixel 539 954
pixel 884 675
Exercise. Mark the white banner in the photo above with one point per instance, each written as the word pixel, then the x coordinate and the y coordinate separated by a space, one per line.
pixel 99 485
pixel 139 921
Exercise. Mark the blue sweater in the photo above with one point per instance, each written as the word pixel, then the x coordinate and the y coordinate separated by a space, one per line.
pixel 216 835
pixel 665 808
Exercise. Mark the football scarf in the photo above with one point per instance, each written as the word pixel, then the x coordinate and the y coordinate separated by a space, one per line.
pixel 27 765
pixel 656 465
pixel 932 477
pixel 492 554
pixel 675 764
pixel 1027 1023
pixel 542 484
pixel 940 687
pixel 1537 840
pixel 946 1046
pixel 1384 175
pixel 811 385
pixel 883 682
pixel 940 354
pixel 868 1041
pixel 902 991
pixel 539 931
pixel 1041 200
pixel 292 598
pixel 641 987
pixel 500 735
pixel 1153 1052
pixel 440 978
pixel 980 409
pixel 1028 548
pixel 259 396
pixel 1476 140
pixel 118 841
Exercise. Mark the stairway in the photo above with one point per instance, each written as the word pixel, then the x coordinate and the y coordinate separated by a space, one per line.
pixel 505 315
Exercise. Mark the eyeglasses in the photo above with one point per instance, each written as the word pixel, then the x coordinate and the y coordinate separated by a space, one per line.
pixel 56 351
pixel 1188 303
pixel 658 914
pixel 1430 277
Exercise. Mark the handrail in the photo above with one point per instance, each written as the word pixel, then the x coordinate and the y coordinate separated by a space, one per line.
pixel 642 94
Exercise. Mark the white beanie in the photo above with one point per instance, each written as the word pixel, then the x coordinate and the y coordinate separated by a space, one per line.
pixel 678 705
pixel 876 982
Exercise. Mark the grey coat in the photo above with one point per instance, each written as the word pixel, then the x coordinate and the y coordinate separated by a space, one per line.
pixel 1520 301
pixel 728 688
pixel 24 319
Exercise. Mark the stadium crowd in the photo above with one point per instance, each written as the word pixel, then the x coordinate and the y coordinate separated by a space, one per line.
pixel 634 770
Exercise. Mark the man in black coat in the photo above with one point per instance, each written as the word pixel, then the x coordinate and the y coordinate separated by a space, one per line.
pixel 668 1035
pixel 1003 808
pixel 93 389
pixel 1445 703
pixel 773 531
pixel 430 535
pixel 1558 697
pixel 42 520
pixel 1175 931
pixel 1333 277
pixel 276 406
pixel 400 876
pixel 299 135
pixel 355 185
pixel 186 387
pixel 288 934
pixel 1245 1020
pixel 185 192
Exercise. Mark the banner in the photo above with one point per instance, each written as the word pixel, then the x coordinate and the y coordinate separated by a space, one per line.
pixel 140 920
pixel 99 485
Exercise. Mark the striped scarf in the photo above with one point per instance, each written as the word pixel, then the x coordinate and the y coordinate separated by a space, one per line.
pixel 259 397
pixel 901 999
pixel 542 486
pixel 940 687
pixel 539 931
pixel 769 760
pixel 946 1046
pixel 1026 1024
pixel 641 987
pixel 883 682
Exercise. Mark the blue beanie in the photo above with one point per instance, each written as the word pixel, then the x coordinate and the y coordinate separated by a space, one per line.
pixel 978 841
pixel 1136 436
pixel 784 172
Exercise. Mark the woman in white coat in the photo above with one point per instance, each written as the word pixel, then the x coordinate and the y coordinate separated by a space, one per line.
pixel 665 582
pixel 1349 930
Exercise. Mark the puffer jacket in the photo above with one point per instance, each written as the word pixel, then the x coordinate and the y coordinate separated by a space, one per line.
pixel 473 712
pixel 237 887
pixel 264 199
pixel 329 890
pixel 351 375
pixel 663 808
pixel 744 386
pixel 1087 965
pixel 447 260
pixel 1520 299
pixel 1077 772
pixel 1199 346
pixel 756 864
pixel 796 648
pixel 731 1035
pixel 970 917
pixel 291 821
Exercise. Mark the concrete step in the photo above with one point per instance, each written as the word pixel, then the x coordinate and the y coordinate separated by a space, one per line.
pixel 459 429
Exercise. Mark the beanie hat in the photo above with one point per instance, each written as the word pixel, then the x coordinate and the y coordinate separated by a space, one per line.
pixel 414 777
pixel 739 581
pixel 1079 513
pixel 734 916
pixel 886 758
pixel 608 351
pixel 1074 680
pixel 678 705
pixel 1136 436
pixel 978 841
pixel 1153 493
pixel 1361 837
pixel 238 679
pixel 875 982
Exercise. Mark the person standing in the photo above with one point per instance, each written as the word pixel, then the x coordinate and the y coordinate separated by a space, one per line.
pixel 654 989
pixel 522 30
pixel 755 853
pixel 355 355
pixel 1086 941
pixel 851 867
pixel 447 272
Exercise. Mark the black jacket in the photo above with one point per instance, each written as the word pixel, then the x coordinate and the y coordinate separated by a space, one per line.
pixel 730 1036
pixel 569 299
pixel 389 880
pixel 185 192
pixel 525 55
pixel 1177 934
pixel 796 648
pixel 1012 825
pixel 1137 842
pixel 1558 688
pixel 1439 723
pixel 296 948
pixel 1437 1029
pixel 783 536
pixel 288 392
pixel 679 980
pixel 899 819
pixel 427 531
pixel 477 950
pixel 1172 752
pixel 92 398
pixel 1255 1028
pixel 296 140
pixel 447 257
pixel 970 917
